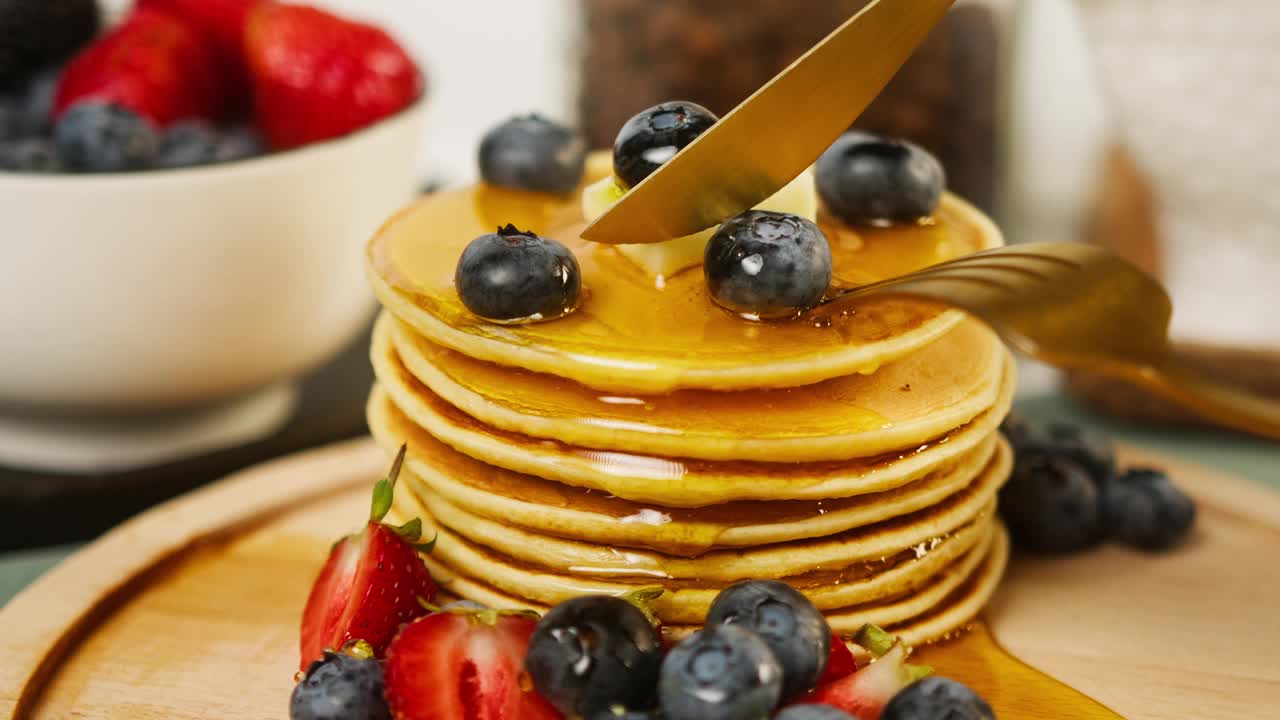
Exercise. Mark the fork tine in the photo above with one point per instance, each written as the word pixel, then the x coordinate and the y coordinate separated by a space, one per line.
pixel 988 264
pixel 958 277
pixel 999 254
pixel 938 277
pixel 1079 306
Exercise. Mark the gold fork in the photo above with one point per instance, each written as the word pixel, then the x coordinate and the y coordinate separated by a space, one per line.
pixel 1078 306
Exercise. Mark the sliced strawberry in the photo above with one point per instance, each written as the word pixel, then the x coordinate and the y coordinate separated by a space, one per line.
pixel 224 23
pixel 464 665
pixel 865 693
pixel 840 663
pixel 155 64
pixel 372 583
pixel 317 76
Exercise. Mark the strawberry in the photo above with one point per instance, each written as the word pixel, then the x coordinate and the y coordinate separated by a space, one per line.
pixel 154 64
pixel 372 583
pixel 223 22
pixel 840 663
pixel 464 664
pixel 316 76
pixel 865 693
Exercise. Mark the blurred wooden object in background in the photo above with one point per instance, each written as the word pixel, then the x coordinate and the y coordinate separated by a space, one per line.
pixel 717 52
pixel 1125 220
pixel 1187 190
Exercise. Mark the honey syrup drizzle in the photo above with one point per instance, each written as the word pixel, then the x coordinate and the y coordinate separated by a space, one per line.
pixel 1014 689
pixel 628 320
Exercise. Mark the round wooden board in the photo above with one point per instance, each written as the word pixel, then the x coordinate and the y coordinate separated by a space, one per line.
pixel 191 610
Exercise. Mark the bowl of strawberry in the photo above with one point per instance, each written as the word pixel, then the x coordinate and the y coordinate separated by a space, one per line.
pixel 379 640
pixel 185 193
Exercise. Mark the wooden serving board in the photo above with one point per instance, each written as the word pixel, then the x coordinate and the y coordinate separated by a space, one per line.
pixel 191 610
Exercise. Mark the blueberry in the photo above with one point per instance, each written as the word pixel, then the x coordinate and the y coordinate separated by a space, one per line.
pixel 724 672
pixel 97 137
pixel 813 712
pixel 340 687
pixel 188 144
pixel 865 178
pixel 1144 509
pixel 37 103
pixel 512 276
pixel 1091 450
pixel 1016 429
pixel 654 136
pixel 937 698
pixel 1051 502
pixel 533 153
pixel 620 713
pixel 767 265
pixel 10 118
pixel 33 155
pixel 239 144
pixel 592 654
pixel 786 620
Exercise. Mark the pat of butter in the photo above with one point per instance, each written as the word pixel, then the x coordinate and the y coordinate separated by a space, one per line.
pixel 665 259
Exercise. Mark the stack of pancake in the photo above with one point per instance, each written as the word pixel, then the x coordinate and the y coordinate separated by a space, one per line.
pixel 653 440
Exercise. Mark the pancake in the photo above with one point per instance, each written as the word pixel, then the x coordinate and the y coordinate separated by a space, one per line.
pixel 463 534
pixel 964 605
pixel 670 482
pixel 905 403
pixel 941 607
pixel 635 334
pixel 895 596
pixel 444 478
pixel 549 570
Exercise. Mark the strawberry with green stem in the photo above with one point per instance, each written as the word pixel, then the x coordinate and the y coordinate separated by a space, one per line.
pixel 371 584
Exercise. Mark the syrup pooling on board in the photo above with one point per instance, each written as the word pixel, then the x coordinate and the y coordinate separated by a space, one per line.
pixel 1014 689
pixel 629 319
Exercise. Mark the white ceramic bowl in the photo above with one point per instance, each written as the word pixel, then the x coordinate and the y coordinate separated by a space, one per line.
pixel 171 289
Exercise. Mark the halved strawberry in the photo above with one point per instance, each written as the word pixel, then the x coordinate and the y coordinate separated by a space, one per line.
pixel 464 664
pixel 865 693
pixel 372 583
pixel 154 64
pixel 840 662
pixel 317 76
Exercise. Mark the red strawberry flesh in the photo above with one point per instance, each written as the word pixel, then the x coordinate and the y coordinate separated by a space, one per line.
pixel 865 693
pixel 456 666
pixel 224 23
pixel 317 76
pixel 154 64
pixel 370 586
pixel 840 663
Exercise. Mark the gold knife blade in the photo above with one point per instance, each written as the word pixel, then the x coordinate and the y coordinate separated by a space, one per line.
pixel 775 134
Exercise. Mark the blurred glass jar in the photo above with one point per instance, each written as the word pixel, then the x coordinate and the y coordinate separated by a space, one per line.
pixel 717 52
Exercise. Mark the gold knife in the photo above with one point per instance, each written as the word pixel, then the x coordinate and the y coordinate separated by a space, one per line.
pixel 775 134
